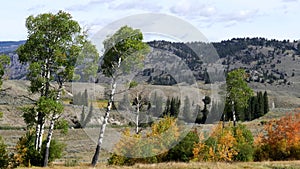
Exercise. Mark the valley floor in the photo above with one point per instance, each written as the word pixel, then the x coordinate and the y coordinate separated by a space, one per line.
pixel 217 165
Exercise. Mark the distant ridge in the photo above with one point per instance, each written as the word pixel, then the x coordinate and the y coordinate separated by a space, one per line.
pixel 266 61
pixel 8 43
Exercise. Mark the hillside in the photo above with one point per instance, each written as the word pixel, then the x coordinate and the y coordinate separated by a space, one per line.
pixel 16 70
pixel 272 66
pixel 267 61
pixel 81 142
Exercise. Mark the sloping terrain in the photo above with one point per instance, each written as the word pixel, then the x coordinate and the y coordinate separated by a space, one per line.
pixel 267 61
pixel 272 66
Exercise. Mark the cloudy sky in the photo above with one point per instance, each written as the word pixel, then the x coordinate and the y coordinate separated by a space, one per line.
pixel 216 19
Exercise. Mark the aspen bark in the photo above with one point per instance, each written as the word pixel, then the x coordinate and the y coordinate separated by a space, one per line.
pixel 106 116
pixel 55 116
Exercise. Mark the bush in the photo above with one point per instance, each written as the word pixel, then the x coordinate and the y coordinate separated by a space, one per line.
pixel 55 151
pixel 294 153
pixel 261 153
pixel 183 151
pixel 244 145
pixel 26 153
pixel 4 160
pixel 149 148
pixel 225 144
pixel 121 160
pixel 28 156
pixel 281 141
pixel 245 152
pixel 71 163
pixel 63 125
pixel 117 160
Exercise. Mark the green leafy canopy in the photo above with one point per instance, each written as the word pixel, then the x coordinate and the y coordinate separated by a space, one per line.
pixel 238 90
pixel 49 105
pixel 53 46
pixel 126 44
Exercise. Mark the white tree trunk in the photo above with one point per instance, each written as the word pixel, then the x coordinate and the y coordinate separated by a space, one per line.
pixel 55 116
pixel 102 130
pixel 47 76
pixel 40 119
pixel 233 114
pixel 48 141
pixel 37 134
pixel 106 116
pixel 42 127
pixel 137 119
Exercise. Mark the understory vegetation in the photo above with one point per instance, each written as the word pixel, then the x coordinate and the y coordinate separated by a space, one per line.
pixel 280 140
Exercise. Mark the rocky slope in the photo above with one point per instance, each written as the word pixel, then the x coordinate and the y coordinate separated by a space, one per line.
pixel 271 64
pixel 266 61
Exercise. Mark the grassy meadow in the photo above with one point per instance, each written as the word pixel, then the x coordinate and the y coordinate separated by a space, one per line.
pixel 173 165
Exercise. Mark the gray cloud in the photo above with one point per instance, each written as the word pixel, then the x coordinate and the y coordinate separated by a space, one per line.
pixel 289 0
pixel 100 22
pixel 193 9
pixel 88 6
pixel 137 5
pixel 205 15
pixel 242 15
pixel 231 19
pixel 35 8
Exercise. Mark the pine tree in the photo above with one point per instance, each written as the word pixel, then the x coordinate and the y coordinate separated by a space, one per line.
pixel 205 111
pixel 255 108
pixel 215 113
pixel 198 113
pixel 85 98
pixel 206 77
pixel 172 107
pixel 89 116
pixel 266 103
pixel 167 108
pixel 124 104
pixel 82 117
pixel 260 101
pixel 175 107
pixel 249 110
pixel 187 116
pixel 156 105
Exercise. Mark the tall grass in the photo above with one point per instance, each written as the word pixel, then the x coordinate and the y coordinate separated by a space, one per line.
pixel 174 165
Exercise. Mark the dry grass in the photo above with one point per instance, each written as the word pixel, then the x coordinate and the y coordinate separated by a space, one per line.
pixel 217 165
pixel 100 104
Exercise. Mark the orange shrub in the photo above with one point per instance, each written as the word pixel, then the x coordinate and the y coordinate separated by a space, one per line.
pixel 281 139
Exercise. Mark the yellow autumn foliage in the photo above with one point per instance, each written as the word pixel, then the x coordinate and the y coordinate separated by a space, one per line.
pixel 151 145
pixel 223 144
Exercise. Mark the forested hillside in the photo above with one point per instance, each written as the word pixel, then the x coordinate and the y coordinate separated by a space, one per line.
pixel 266 61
